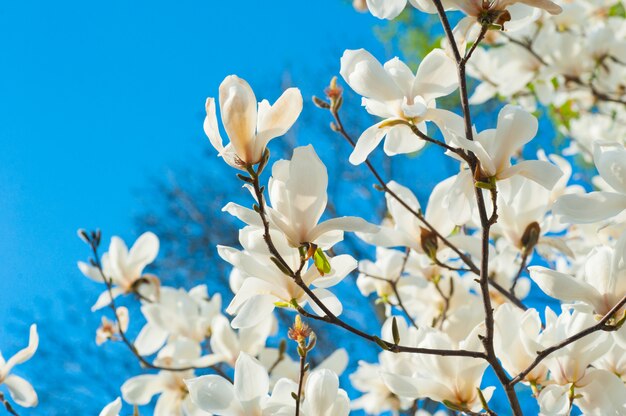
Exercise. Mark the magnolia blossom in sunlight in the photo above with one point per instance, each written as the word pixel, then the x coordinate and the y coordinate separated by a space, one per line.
pixel 266 285
pixel 405 229
pixel 110 329
pixel 298 198
pixel 245 396
pixel 20 390
pixel 454 380
pixel 178 314
pixel 601 285
pixel 249 126
pixel 322 396
pixel 399 97
pixel 494 148
pixel 572 380
pixel 517 341
pixel 610 160
pixel 170 386
pixel 124 269
pixel 226 345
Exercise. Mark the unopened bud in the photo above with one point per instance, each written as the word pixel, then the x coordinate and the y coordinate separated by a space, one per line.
pixel 531 235
pixel 320 103
pixel 428 242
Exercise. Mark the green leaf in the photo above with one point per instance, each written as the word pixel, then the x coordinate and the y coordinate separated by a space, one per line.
pixel 395 331
pixel 321 262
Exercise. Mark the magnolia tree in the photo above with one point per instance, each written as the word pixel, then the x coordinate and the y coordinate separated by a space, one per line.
pixel 453 275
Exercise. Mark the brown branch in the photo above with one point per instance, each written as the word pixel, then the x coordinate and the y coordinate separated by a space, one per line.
pixel 485 221
pixel 329 317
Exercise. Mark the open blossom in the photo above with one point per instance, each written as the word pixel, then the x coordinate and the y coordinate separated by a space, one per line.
pixel 602 284
pixel 226 345
pixel 265 284
pixel 124 268
pixel 454 380
pixel 322 396
pixel 110 329
pixel 610 160
pixel 400 97
pixel 517 340
pixel 298 198
pixel 248 126
pixel 246 396
pixel 494 148
pixel 405 229
pixel 20 390
pixel 572 379
pixel 378 396
pixel 170 386
pixel 178 314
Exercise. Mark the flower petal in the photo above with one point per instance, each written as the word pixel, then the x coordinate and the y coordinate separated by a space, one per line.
pixel 588 208
pixel 367 142
pixel 564 287
pixel 21 391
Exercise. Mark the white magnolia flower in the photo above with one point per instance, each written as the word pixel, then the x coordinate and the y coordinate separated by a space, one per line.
pixel 322 396
pixel 125 267
pixel 248 127
pixel 178 314
pixel 110 329
pixel 174 397
pixel 494 148
pixel 517 340
pixel 441 378
pixel 376 276
pixel 20 390
pixel 226 345
pixel 395 94
pixel 610 159
pixel 594 392
pixel 298 198
pixel 602 284
pixel 406 229
pixel 246 396
pixel 378 396
pixel 266 284
pixel 113 408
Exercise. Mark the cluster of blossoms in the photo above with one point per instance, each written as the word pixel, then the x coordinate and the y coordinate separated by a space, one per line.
pixel 453 276
pixel 572 63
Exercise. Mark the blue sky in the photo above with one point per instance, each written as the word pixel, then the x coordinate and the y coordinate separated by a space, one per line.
pixel 96 96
